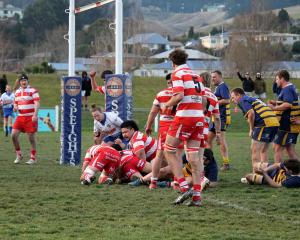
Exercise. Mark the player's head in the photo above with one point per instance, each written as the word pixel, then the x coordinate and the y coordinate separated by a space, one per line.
pixel 178 57
pixel 117 147
pixel 105 72
pixel 128 128
pixel 247 75
pixel 282 77
pixel 293 166
pixel 23 80
pixel 206 79
pixel 96 112
pixel 208 156
pixel 258 75
pixel 236 95
pixel 169 80
pixel 216 77
pixel 8 88
pixel 83 74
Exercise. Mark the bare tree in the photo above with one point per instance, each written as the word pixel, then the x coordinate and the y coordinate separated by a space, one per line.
pixel 6 50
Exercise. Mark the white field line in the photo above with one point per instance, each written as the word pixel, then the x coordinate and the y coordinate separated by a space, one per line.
pixel 248 210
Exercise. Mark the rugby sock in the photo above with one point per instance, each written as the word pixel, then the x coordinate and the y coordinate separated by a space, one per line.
pixel 10 130
pixel 183 185
pixel 196 192
pixel 175 183
pixel 153 183
pixel 18 152
pixel 225 160
pixel 32 154
pixel 6 131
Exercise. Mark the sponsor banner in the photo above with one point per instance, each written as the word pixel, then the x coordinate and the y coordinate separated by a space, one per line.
pixel 70 121
pixel 119 95
pixel 47 120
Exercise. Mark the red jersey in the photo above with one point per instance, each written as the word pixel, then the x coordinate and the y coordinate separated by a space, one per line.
pixel 213 104
pixel 90 153
pixel 106 158
pixel 101 89
pixel 161 98
pixel 190 108
pixel 24 99
pixel 140 141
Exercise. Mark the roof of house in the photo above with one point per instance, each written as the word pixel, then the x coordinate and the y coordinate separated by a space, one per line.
pixel 65 66
pixel 288 65
pixel 193 64
pixel 192 54
pixel 147 38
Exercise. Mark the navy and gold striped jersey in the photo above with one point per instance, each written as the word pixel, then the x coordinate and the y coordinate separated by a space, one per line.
pixel 222 92
pixel 264 116
pixel 288 94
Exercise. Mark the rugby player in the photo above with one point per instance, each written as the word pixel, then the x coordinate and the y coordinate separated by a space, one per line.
pixel 7 102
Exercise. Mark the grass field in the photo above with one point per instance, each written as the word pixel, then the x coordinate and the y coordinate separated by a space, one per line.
pixel 46 201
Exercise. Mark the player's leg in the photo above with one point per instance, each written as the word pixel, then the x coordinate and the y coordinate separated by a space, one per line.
pixel 278 153
pixel 210 138
pixel 224 151
pixel 195 156
pixel 156 165
pixel 5 125
pixel 255 153
pixel 254 178
pixel 16 143
pixel 264 157
pixel 32 141
pixel 10 118
pixel 175 164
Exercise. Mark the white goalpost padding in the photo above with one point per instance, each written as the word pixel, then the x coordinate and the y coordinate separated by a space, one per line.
pixel 118 32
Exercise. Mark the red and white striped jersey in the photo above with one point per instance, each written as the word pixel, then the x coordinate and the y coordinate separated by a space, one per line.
pixel 161 98
pixel 24 99
pixel 212 104
pixel 101 89
pixel 126 156
pixel 190 108
pixel 141 141
pixel 91 152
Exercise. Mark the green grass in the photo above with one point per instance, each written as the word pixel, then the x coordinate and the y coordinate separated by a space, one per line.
pixel 46 201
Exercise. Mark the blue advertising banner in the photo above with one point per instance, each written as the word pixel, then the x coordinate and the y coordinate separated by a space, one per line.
pixel 119 95
pixel 70 121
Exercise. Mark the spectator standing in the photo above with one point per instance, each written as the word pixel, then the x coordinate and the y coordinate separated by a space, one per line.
pixel 3 83
pixel 260 88
pixel 86 89
pixel 248 84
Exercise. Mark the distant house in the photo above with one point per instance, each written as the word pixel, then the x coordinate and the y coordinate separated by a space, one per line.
pixel 275 38
pixel 213 8
pixel 9 11
pixel 152 41
pixel 192 55
pixel 218 41
pixel 81 64
pixel 175 45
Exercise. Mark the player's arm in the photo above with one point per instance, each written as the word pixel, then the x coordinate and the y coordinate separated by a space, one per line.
pixel 217 122
pixel 93 81
pixel 270 181
pixel 282 107
pixel 36 110
pixel 174 100
pixel 140 153
pixel 153 113
pixel 224 101
pixel 250 115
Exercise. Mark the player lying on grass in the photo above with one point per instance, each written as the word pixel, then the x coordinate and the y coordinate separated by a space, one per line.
pixel 210 172
pixel 286 174
pixel 104 159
